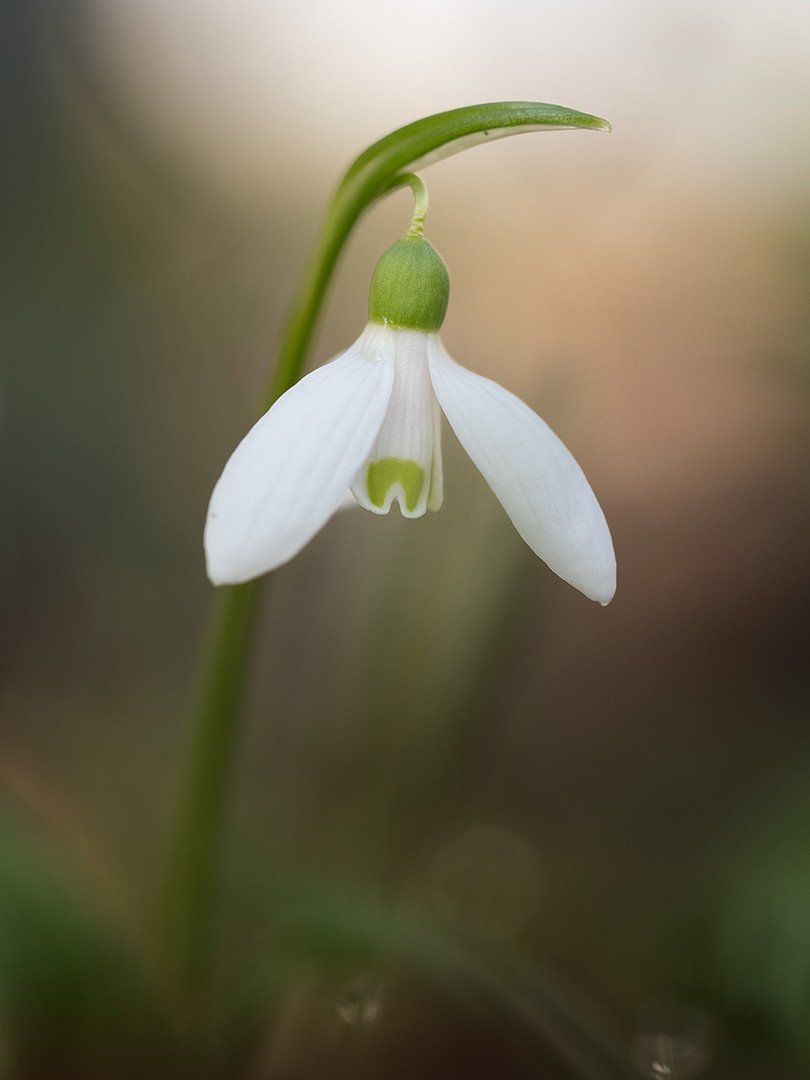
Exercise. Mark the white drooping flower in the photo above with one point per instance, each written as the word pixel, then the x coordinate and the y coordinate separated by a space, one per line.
pixel 370 421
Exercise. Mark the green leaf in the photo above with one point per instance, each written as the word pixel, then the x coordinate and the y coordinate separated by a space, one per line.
pixel 443 134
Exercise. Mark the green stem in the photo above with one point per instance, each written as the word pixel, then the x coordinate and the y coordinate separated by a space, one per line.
pixel 192 884
pixel 420 204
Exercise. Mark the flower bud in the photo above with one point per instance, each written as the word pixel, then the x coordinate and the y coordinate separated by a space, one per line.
pixel 410 286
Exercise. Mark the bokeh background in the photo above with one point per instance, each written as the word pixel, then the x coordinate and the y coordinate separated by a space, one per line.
pixel 613 804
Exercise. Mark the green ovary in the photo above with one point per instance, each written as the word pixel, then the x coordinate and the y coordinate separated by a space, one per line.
pixel 386 472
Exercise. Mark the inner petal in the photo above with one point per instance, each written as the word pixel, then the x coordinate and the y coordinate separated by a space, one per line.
pixel 384 474
pixel 404 465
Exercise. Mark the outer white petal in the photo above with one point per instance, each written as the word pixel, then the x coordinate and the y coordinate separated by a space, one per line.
pixel 290 472
pixel 534 476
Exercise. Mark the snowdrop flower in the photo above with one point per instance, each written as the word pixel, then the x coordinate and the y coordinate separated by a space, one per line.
pixel 370 421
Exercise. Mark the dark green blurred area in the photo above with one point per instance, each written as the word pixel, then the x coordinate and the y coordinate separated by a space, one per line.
pixel 480 826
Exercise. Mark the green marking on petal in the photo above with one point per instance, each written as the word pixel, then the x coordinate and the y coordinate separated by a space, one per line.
pixel 386 472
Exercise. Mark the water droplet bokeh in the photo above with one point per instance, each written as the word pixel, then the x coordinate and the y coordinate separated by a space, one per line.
pixel 360 1000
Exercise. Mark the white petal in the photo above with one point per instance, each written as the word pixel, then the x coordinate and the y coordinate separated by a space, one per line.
pixel 290 472
pixel 534 476
pixel 404 464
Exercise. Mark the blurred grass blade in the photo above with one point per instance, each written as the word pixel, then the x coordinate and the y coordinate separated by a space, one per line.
pixel 323 930
pixel 70 969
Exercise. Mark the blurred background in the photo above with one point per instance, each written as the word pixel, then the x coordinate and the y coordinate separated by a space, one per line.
pixel 480 825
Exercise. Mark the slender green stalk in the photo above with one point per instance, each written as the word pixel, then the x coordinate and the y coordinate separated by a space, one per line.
pixel 191 893
pixel 420 204
pixel 191 888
